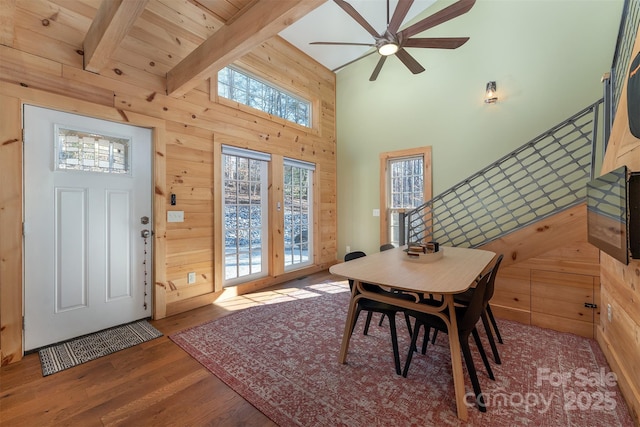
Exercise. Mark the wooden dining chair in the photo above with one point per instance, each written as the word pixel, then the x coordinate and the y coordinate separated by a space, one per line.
pixel 371 307
pixel 466 317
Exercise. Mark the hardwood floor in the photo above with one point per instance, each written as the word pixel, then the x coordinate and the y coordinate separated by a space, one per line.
pixel 155 383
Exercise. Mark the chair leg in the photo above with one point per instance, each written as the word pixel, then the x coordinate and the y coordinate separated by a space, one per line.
pixel 433 338
pixel 412 347
pixel 394 343
pixel 466 352
pixel 368 322
pixel 494 324
pixel 492 343
pixel 381 319
pixel 425 340
pixel 408 320
pixel 483 355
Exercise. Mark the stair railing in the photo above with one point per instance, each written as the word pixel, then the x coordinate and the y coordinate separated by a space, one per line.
pixel 545 176
pixel 614 82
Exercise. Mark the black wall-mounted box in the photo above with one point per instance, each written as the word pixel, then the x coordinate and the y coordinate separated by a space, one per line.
pixel 613 214
pixel 634 214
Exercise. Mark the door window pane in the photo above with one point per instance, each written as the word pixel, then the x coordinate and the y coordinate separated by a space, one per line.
pixel 298 184
pixel 245 218
pixel 89 152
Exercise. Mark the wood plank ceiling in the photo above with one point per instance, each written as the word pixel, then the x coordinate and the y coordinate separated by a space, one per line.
pixel 169 46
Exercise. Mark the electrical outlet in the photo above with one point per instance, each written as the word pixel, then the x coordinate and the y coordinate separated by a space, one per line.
pixel 609 312
pixel 376 212
pixel 348 248
pixel 191 278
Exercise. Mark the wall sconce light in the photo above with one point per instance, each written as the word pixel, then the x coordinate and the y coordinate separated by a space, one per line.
pixel 490 96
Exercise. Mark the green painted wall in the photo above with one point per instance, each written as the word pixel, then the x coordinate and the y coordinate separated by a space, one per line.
pixel 547 57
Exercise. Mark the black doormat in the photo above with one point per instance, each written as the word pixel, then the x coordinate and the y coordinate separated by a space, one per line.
pixel 65 355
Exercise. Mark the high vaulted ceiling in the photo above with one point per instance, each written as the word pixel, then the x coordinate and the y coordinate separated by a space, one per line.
pixel 176 45
pixel 329 23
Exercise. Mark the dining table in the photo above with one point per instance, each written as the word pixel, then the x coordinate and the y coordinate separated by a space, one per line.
pixel 453 271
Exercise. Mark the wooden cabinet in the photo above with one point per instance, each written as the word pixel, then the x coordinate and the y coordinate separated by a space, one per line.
pixel 548 282
pixel 563 301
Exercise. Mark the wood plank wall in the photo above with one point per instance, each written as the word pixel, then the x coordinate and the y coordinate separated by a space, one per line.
pixel 550 271
pixel 548 274
pixel 42 65
pixel 620 337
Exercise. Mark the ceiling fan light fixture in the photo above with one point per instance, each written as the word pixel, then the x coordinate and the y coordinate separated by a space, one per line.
pixel 388 48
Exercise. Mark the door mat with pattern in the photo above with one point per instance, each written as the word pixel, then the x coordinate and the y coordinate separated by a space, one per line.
pixel 65 355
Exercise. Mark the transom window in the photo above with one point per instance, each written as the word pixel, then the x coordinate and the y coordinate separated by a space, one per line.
pixel 246 89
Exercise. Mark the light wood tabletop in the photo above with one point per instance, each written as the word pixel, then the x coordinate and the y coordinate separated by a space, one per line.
pixel 452 274
pixel 455 272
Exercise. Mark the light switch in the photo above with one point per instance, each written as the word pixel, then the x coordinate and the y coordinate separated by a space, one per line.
pixel 175 216
pixel 376 212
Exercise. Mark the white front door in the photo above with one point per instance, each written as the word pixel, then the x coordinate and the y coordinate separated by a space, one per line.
pixel 87 186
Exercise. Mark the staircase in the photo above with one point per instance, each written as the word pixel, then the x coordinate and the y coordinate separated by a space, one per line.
pixel 543 177
pixel 530 206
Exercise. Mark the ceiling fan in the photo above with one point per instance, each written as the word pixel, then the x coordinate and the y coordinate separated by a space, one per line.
pixel 394 42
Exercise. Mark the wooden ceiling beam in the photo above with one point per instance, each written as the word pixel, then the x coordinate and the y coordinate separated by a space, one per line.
pixel 111 24
pixel 265 19
pixel 7 22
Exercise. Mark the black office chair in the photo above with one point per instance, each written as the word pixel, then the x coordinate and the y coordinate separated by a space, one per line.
pixel 466 317
pixel 371 307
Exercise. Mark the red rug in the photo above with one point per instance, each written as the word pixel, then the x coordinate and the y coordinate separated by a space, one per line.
pixel 282 357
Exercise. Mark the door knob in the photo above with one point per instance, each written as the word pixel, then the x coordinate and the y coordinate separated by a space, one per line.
pixel 145 233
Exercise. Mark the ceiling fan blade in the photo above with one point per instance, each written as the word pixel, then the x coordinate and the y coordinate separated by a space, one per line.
pixel 399 14
pixel 357 17
pixel 376 70
pixel 436 42
pixel 351 62
pixel 409 61
pixel 343 44
pixel 458 8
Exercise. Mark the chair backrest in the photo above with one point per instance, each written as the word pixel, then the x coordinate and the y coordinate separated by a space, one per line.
pixel 386 247
pixel 492 280
pixel 353 255
pixel 476 305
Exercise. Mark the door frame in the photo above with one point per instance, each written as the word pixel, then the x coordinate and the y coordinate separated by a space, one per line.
pixel 12 301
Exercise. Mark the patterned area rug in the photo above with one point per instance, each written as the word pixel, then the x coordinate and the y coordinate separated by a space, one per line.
pixel 68 354
pixel 282 358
